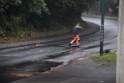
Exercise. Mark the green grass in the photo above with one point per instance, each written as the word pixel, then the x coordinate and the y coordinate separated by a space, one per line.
pixel 23 35
pixel 108 58
pixel 33 35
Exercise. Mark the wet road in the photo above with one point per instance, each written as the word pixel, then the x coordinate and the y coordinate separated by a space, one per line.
pixel 89 45
pixel 42 57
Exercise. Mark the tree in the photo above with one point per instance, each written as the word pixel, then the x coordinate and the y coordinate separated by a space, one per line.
pixel 67 10
pixel 112 4
pixel 16 14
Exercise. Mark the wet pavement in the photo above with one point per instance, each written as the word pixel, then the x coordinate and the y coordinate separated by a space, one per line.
pixel 79 71
pixel 24 70
pixel 27 59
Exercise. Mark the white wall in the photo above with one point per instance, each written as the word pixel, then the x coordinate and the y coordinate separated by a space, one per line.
pixel 120 54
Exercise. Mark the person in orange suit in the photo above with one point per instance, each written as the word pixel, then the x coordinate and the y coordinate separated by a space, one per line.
pixel 76 37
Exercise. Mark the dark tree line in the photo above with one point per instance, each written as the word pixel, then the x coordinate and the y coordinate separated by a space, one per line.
pixel 113 4
pixel 18 16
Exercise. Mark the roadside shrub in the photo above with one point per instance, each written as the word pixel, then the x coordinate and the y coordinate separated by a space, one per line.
pixel 2 32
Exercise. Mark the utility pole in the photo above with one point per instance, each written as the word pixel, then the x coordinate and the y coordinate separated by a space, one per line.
pixel 102 26
pixel 120 50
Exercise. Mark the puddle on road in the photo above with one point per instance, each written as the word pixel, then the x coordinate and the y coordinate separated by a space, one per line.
pixel 64 53
pixel 30 65
pixel 25 69
pixel 30 68
pixel 59 54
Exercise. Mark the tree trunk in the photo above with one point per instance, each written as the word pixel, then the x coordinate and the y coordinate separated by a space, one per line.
pixel 120 56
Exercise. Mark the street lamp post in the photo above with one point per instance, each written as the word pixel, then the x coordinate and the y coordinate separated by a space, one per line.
pixel 102 26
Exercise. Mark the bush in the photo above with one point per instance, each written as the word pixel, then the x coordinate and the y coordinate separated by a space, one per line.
pixel 2 32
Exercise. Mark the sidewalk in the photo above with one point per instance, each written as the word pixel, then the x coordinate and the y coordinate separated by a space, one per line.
pixel 79 71
pixel 91 28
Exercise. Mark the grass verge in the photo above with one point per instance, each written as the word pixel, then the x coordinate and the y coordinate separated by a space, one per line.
pixel 33 34
pixel 106 59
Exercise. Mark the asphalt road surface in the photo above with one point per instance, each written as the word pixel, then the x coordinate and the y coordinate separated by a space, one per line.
pixel 44 56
